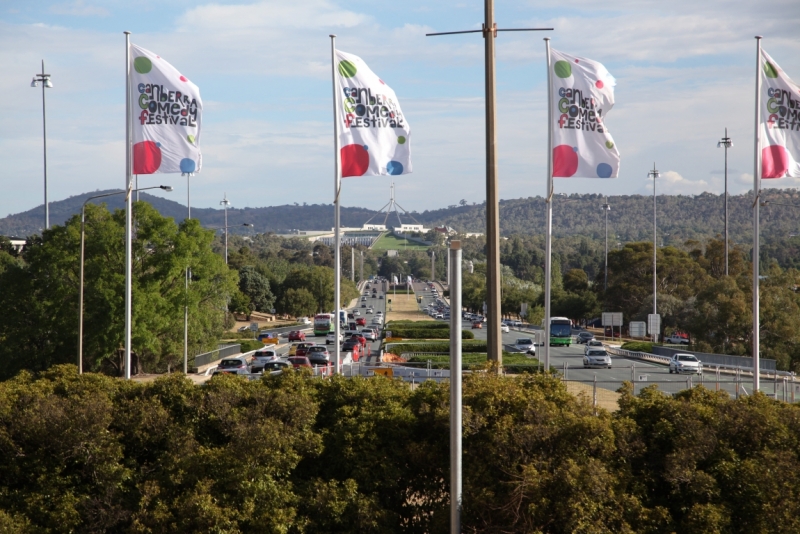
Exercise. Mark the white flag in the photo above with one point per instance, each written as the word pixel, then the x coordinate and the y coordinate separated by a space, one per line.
pixel 395 280
pixel 166 118
pixel 583 94
pixel 408 278
pixel 780 122
pixel 374 135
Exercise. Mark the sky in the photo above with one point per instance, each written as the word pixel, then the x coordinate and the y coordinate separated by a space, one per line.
pixel 684 70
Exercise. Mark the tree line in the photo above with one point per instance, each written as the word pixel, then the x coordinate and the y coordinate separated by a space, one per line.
pixel 291 454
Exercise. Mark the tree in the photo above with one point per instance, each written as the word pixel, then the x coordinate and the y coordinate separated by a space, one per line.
pixel 576 280
pixel 298 302
pixel 39 304
pixel 256 288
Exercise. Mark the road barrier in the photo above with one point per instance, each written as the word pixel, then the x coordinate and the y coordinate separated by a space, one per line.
pixel 223 351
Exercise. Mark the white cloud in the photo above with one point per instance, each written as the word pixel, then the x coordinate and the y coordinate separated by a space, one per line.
pixel 79 8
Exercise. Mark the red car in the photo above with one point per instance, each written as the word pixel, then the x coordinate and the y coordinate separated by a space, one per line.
pixel 299 361
pixel 297 335
pixel 361 321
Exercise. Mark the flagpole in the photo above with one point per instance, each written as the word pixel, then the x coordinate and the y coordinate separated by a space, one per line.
pixel 337 186
pixel 128 205
pixel 757 200
pixel 549 217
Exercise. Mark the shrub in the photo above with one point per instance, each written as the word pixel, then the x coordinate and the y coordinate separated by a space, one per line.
pixel 638 346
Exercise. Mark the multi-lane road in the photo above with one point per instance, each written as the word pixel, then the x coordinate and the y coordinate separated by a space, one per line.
pixel 568 361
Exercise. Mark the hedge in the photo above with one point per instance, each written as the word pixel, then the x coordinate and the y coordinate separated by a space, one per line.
pixel 638 346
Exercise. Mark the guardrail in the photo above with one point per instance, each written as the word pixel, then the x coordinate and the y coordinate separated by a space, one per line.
pixel 214 355
pixel 656 358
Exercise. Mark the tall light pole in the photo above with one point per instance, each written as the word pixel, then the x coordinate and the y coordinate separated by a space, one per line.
pixel 726 143
pixel 654 174
pixel 606 208
pixel 225 203
pixel 83 241
pixel 44 79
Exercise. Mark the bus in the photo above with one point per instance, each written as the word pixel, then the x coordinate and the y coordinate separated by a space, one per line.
pixel 323 324
pixel 560 331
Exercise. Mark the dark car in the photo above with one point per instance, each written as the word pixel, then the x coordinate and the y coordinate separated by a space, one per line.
pixel 361 339
pixel 318 352
pixel 584 337
pixel 276 365
pixel 354 346
pixel 297 335
pixel 236 365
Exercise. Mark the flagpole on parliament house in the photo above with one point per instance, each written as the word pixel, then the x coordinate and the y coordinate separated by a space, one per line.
pixel 489 30
pixel 337 188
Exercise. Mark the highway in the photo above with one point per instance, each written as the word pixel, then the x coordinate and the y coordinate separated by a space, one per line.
pixel 568 361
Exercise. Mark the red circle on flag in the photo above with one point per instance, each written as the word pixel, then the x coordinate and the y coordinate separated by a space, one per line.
pixel 146 157
pixel 774 162
pixel 355 160
pixel 565 161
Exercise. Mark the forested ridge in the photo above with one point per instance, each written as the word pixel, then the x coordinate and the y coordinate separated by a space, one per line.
pixel 680 217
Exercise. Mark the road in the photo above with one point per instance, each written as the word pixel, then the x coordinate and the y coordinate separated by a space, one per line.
pixel 569 362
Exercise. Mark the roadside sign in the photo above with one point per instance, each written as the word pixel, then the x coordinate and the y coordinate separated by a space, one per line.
pixel 254 327
pixel 612 318
pixel 637 329
pixel 653 323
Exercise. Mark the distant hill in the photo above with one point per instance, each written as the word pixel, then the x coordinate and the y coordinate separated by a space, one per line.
pixel 680 217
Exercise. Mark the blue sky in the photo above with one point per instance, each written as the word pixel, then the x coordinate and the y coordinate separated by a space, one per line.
pixel 684 72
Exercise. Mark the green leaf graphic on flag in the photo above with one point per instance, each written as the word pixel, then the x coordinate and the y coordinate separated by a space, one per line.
pixel 770 70
pixel 562 69
pixel 142 64
pixel 347 69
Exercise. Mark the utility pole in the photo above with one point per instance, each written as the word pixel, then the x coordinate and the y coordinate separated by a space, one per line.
pixel 726 143
pixel 606 208
pixel 654 174
pixel 225 203
pixel 489 30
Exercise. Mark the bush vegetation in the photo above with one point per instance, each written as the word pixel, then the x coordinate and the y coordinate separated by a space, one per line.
pixel 288 454
pixel 638 346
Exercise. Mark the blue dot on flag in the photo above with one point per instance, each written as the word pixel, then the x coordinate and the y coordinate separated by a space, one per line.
pixel 394 167
pixel 188 165
pixel 604 170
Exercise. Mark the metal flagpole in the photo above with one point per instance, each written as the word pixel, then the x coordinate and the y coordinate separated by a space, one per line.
pixel 756 201
pixel 337 181
pixel 45 81
pixel 549 217
pixel 655 175
pixel 455 388
pixel 128 204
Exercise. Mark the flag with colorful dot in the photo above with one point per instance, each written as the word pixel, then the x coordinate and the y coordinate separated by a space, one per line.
pixel 780 122
pixel 167 113
pixel 374 135
pixel 583 94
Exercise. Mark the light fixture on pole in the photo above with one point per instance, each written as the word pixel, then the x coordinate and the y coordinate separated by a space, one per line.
pixel 726 143
pixel 654 174
pixel 606 208
pixel 225 203
pixel 83 241
pixel 44 79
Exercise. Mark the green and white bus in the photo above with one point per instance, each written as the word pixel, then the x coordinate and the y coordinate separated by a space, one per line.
pixel 560 331
pixel 323 324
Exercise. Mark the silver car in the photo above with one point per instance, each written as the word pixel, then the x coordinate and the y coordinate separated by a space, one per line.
pixel 685 363
pixel 597 358
pixel 592 344
pixel 526 345
pixel 235 366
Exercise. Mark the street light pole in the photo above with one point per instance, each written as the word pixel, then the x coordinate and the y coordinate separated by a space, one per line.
pixel 83 241
pixel 726 143
pixel 44 79
pixel 606 209
pixel 654 174
pixel 225 203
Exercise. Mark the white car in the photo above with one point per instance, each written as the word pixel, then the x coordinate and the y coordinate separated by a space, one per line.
pixel 370 310
pixel 331 338
pixel 526 345
pixel 592 344
pixel 377 321
pixel 369 334
pixel 356 313
pixel 505 328
pixel 597 358
pixel 304 320
pixel 685 363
